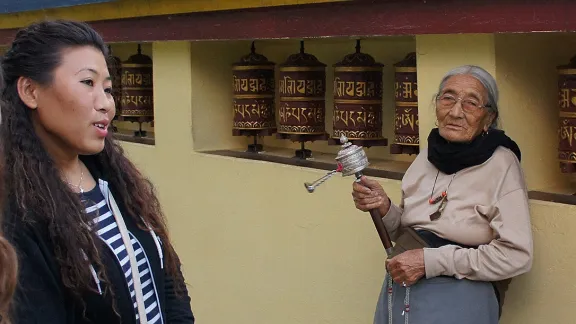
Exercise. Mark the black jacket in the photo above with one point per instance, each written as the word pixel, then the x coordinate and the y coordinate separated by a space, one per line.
pixel 42 298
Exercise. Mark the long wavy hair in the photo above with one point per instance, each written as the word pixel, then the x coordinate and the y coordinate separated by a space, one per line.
pixel 8 258
pixel 36 193
pixel 8 278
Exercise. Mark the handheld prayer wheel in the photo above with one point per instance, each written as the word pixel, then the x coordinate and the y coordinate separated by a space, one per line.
pixel 115 70
pixel 352 160
pixel 302 95
pixel 567 120
pixel 254 89
pixel 406 136
pixel 137 86
pixel 358 97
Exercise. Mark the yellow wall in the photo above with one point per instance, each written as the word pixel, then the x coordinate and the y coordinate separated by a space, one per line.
pixel 254 243
pixel 137 8
pixel 526 73
pixel 546 294
pixel 257 248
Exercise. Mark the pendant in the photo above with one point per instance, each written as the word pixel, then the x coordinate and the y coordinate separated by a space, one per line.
pixel 434 216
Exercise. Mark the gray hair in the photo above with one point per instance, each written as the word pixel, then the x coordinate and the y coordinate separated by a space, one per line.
pixel 483 77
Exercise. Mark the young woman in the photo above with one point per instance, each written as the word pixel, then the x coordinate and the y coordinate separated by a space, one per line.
pixel 8 261
pixel 87 226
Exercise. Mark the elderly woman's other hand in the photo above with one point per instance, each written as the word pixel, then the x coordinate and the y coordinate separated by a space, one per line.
pixel 407 268
pixel 369 194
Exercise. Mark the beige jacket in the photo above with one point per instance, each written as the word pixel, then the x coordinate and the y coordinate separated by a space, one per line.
pixel 487 207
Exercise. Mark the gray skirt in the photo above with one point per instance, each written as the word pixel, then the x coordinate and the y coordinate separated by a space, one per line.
pixel 440 300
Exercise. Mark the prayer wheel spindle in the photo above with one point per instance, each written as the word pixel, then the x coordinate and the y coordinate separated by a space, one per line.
pixel 406 136
pixel 301 111
pixel 253 97
pixel 567 116
pixel 137 103
pixel 358 100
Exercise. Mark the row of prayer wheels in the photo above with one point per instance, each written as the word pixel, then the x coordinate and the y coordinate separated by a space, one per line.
pixel 357 96
pixel 132 87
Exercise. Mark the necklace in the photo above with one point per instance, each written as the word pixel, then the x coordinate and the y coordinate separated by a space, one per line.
pixel 79 185
pixel 442 198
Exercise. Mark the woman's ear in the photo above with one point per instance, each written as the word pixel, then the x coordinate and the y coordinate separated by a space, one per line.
pixel 27 90
pixel 490 119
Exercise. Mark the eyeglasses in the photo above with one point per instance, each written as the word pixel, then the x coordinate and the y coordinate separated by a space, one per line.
pixel 469 105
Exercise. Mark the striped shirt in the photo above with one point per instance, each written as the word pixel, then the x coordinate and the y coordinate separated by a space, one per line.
pixel 108 231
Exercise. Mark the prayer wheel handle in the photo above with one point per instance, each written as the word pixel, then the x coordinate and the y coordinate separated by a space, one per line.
pixel 378 223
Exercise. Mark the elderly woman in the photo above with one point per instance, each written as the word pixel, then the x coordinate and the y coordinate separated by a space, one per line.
pixel 462 228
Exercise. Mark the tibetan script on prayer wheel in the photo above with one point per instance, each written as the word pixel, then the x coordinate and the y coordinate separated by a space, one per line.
pixel 254 88
pixel 137 86
pixel 302 95
pixel 567 120
pixel 357 97
pixel 406 136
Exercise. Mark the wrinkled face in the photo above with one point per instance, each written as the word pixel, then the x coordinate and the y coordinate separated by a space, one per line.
pixel 72 113
pixel 460 109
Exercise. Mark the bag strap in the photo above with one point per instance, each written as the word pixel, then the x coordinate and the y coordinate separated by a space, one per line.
pixel 132 257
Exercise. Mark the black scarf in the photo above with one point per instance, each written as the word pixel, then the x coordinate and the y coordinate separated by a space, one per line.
pixel 452 157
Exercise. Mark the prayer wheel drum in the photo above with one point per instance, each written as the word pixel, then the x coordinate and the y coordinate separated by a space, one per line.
pixel 567 120
pixel 302 95
pixel 254 89
pixel 357 97
pixel 137 86
pixel 115 70
pixel 406 136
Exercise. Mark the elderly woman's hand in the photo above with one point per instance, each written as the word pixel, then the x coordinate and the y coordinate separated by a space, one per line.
pixel 369 194
pixel 407 268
